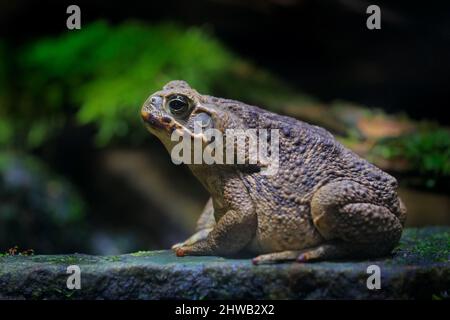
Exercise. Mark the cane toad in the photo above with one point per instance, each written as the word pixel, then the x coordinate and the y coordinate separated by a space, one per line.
pixel 324 202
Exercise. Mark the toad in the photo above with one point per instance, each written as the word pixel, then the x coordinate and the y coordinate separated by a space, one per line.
pixel 323 203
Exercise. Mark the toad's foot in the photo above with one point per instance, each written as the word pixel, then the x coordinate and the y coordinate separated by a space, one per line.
pixel 200 235
pixel 199 248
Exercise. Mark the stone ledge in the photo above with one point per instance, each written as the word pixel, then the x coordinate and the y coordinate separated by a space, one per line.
pixel 419 268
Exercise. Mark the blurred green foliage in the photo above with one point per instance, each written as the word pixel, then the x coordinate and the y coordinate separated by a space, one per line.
pixel 427 151
pixel 5 126
pixel 105 73
pixel 102 74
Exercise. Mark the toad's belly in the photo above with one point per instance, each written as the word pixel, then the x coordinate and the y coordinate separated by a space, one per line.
pixel 288 229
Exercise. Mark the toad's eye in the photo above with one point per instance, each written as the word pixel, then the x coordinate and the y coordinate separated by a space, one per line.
pixel 178 105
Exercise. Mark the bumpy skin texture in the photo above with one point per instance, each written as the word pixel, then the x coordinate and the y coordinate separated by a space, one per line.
pixel 325 202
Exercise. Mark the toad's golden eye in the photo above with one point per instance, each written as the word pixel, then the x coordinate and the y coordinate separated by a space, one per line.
pixel 178 105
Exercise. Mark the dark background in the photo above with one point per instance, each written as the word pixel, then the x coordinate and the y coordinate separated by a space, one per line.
pixel 322 47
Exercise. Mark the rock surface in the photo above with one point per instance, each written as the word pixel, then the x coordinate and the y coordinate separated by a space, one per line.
pixel 418 268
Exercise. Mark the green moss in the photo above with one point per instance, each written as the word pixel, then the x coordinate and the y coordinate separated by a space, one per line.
pixel 420 245
pixel 113 258
pixel 64 259
pixel 436 247
pixel 142 254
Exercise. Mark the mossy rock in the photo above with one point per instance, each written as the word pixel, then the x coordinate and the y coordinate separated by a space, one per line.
pixel 418 268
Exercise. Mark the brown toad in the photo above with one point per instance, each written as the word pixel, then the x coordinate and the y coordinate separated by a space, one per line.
pixel 324 202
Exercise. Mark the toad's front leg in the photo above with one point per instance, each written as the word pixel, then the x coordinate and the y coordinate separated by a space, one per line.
pixel 232 233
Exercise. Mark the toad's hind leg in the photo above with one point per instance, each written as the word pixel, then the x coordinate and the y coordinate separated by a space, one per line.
pixel 327 251
pixel 289 255
pixel 352 223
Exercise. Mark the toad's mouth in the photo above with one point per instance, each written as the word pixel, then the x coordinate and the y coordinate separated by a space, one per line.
pixel 156 122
